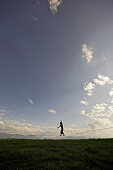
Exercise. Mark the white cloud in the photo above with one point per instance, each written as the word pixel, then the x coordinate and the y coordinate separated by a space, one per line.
pixel 2 113
pixel 100 120
pixel 112 100
pixel 100 111
pixel 87 53
pixel 1 123
pixel 54 4
pixel 101 123
pixel 24 128
pixel 84 102
pixel 98 108
pixel 82 112
pixel 52 111
pixel 23 120
pixel 100 115
pixel 88 87
pixel 102 80
pixel 30 100
pixel 111 92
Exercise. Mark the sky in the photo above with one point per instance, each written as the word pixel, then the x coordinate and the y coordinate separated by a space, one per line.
pixel 56 63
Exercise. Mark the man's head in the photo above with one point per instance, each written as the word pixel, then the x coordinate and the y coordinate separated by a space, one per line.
pixel 60 121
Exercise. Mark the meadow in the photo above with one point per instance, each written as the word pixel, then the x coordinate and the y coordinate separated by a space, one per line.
pixel 84 154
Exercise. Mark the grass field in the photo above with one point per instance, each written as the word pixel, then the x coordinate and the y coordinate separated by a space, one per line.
pixel 16 154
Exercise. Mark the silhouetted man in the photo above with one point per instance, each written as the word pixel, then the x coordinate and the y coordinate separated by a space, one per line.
pixel 61 125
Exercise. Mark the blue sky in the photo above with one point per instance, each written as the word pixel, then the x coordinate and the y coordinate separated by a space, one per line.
pixel 56 64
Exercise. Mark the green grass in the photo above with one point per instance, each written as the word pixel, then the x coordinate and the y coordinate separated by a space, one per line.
pixel 85 154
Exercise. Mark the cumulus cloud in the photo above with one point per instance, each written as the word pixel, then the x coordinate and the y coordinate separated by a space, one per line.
pixel 100 111
pixel 82 112
pixel 111 93
pixel 112 100
pixel 100 115
pixel 102 80
pixel 84 102
pixel 89 87
pixel 101 123
pixel 54 4
pixel 30 100
pixel 87 53
pixel 52 111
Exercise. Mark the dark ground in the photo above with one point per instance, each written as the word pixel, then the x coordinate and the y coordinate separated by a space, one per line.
pixel 91 154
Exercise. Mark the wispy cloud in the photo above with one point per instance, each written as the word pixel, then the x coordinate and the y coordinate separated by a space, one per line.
pixel 54 4
pixel 87 53
pixel 37 2
pixel 52 111
pixel 35 18
pixel 30 100
pixel 2 113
